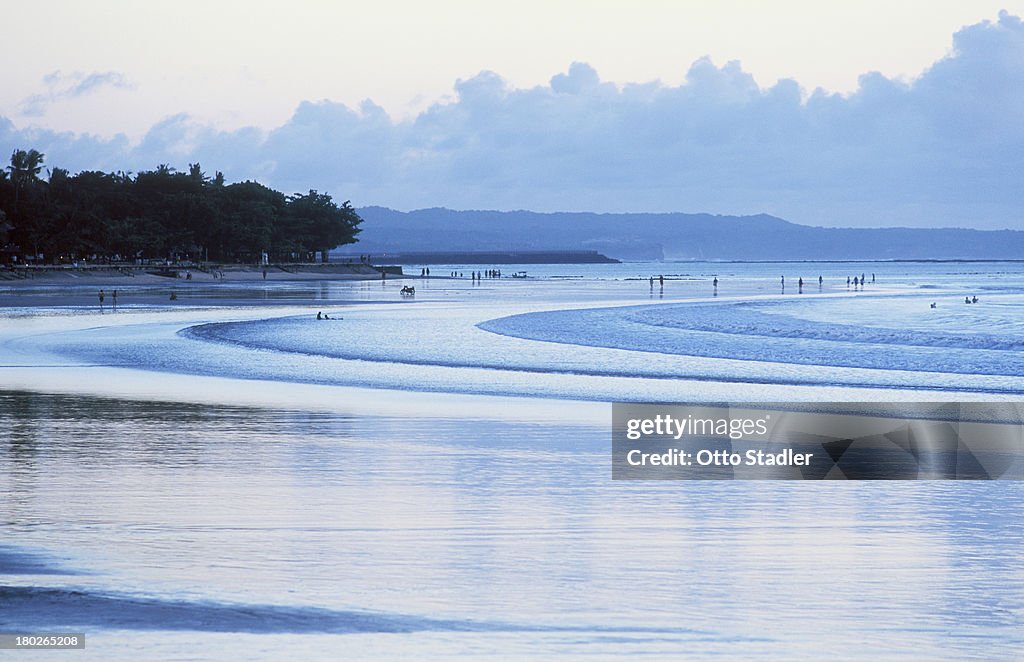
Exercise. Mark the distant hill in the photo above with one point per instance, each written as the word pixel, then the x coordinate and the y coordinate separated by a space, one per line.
pixel 672 236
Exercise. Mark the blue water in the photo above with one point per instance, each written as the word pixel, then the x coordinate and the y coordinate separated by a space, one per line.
pixel 913 338
pixel 608 335
pixel 167 529
pixel 158 526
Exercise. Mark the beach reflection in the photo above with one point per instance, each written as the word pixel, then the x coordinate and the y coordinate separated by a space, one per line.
pixel 292 521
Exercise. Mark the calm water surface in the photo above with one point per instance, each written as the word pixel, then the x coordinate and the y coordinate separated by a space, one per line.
pixel 132 521
pixel 191 530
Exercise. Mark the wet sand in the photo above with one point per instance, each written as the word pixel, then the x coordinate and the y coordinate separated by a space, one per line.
pixel 58 310
pixel 233 286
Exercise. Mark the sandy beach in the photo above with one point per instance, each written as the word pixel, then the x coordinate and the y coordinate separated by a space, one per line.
pixel 227 285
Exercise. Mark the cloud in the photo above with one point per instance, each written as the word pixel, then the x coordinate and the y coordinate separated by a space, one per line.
pixel 946 148
pixel 581 78
pixel 61 86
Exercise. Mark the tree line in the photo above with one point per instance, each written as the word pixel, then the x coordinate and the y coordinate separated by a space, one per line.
pixel 161 214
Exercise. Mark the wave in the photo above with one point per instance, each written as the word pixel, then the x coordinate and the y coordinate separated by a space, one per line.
pixel 576 344
pixel 16 561
pixel 750 332
pixel 583 353
pixel 56 608
pixel 38 609
pixel 754 319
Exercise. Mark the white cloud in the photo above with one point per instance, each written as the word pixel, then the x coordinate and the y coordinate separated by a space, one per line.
pixel 944 149
pixel 61 86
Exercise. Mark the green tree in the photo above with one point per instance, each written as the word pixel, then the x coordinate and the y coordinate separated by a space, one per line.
pixel 25 168
pixel 196 174
pixel 5 227
pixel 248 213
pixel 163 213
pixel 320 224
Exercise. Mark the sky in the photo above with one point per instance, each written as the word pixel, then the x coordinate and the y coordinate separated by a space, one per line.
pixel 824 113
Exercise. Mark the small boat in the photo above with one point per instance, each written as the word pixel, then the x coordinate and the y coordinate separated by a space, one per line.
pixel 519 274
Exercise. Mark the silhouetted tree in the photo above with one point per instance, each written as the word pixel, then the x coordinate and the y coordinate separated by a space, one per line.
pixel 25 168
pixel 163 213
pixel 320 223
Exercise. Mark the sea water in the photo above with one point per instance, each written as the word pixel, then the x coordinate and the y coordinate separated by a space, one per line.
pixel 367 525
pixel 603 333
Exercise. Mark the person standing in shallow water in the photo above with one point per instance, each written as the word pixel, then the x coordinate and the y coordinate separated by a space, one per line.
pixel 102 296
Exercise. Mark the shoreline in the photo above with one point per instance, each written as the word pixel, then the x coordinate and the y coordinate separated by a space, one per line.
pixel 388 348
pixel 153 298
pixel 23 276
pixel 234 286
pixel 29 369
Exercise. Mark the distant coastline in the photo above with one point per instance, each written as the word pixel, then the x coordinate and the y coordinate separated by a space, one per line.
pixel 917 260
pixel 487 257
pixel 672 236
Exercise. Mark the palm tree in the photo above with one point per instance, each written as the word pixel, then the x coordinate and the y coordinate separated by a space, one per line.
pixel 25 168
pixel 196 173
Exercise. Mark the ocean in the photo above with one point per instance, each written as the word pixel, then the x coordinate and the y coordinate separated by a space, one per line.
pixel 430 477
